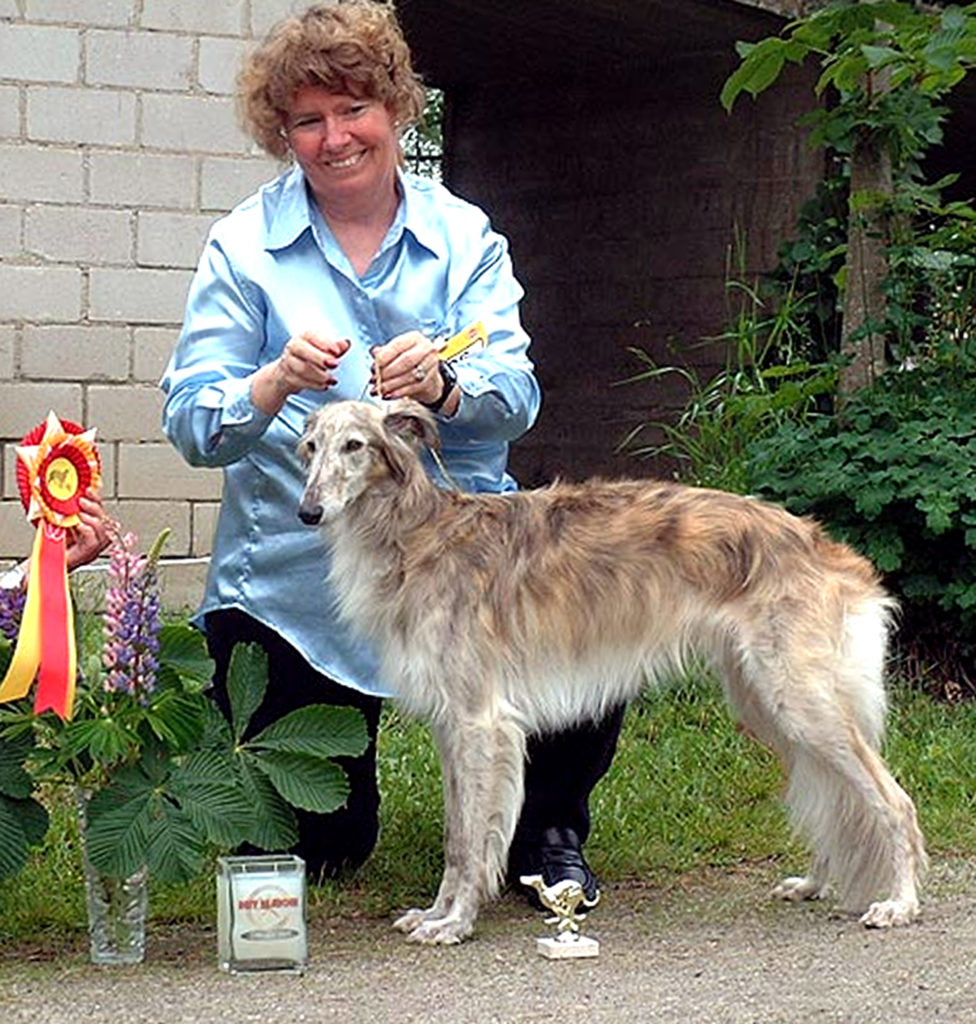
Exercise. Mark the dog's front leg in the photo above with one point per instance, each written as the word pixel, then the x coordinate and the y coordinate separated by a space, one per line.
pixel 416 916
pixel 468 760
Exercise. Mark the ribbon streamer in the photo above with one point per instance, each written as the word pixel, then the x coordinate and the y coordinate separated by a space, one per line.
pixel 57 463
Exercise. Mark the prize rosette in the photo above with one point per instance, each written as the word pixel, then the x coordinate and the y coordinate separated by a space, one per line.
pixel 56 463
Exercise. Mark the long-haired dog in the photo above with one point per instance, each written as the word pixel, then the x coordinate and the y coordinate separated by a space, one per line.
pixel 498 616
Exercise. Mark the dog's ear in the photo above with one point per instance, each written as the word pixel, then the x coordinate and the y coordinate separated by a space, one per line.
pixel 411 422
pixel 407 427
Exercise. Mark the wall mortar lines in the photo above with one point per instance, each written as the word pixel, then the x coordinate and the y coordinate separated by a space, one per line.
pixel 102 206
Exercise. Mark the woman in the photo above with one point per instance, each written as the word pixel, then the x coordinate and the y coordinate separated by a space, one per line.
pixel 331 283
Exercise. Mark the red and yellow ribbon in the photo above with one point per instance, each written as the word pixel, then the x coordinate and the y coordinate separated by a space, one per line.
pixel 56 463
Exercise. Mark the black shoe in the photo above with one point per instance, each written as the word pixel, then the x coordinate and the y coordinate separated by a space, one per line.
pixel 558 857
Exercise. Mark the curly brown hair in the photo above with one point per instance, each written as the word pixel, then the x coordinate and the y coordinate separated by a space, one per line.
pixel 347 46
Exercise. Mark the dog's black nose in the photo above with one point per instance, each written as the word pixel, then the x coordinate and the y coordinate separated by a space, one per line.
pixel 310 516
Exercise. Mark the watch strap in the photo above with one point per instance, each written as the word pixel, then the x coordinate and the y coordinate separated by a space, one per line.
pixel 448 379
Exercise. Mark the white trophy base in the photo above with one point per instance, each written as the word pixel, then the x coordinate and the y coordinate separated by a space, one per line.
pixel 558 949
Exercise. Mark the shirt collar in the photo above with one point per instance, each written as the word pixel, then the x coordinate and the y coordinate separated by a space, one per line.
pixel 418 219
pixel 292 215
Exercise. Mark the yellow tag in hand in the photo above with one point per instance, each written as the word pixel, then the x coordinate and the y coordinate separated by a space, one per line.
pixel 472 338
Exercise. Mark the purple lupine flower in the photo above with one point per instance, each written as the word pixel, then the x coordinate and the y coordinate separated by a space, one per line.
pixel 132 622
pixel 11 610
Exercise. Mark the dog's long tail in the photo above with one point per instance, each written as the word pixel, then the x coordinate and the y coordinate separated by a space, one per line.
pixel 862 825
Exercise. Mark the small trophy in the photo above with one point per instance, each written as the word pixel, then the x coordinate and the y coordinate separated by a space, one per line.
pixel 564 900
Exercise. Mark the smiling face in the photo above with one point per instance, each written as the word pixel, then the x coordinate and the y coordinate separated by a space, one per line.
pixel 346 145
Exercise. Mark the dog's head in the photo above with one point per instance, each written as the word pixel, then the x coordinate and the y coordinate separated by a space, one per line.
pixel 351 447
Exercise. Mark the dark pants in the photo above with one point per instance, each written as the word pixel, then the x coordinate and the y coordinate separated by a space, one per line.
pixel 562 768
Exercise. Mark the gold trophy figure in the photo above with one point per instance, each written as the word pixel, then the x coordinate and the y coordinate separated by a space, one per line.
pixel 564 899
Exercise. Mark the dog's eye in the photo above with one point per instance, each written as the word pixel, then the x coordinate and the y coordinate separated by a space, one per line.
pixel 352 445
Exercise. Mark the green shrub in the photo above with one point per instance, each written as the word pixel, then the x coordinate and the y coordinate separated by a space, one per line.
pixel 766 383
pixel 892 474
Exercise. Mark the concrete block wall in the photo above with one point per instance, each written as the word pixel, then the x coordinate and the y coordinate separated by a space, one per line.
pixel 119 145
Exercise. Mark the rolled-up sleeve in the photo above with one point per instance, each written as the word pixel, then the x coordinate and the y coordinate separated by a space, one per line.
pixel 208 414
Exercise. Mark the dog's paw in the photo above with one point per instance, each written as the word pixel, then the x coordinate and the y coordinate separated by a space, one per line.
pixel 440 932
pixel 432 927
pixel 890 914
pixel 409 920
pixel 798 888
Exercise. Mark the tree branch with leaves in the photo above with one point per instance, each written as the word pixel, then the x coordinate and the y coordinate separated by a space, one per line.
pixel 885 67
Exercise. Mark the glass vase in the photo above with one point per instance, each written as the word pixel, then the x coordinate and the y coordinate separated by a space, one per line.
pixel 117 907
pixel 261 914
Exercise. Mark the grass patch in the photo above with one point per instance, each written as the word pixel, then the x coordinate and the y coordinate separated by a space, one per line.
pixel 687 792
pixel 931 748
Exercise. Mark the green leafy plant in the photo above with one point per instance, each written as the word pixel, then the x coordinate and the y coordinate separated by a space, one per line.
pixel 885 68
pixel 109 734
pixel 811 264
pixel 225 790
pixel 167 779
pixel 931 285
pixel 931 282
pixel 766 382
pixel 922 54
pixel 23 820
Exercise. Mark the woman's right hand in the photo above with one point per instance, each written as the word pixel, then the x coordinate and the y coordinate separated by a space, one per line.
pixel 92 535
pixel 306 362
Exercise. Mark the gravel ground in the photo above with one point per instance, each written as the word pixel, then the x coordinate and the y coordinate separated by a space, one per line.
pixel 711 950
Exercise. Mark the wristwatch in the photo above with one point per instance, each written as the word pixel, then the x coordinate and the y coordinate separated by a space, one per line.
pixel 448 379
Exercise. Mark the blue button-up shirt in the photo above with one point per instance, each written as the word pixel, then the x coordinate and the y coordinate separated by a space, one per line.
pixel 272 269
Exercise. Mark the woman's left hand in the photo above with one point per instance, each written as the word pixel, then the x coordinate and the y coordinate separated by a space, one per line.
pixel 406 367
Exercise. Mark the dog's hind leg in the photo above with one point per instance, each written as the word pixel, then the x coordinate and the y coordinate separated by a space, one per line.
pixel 746 685
pixel 861 824
pixel 823 723
pixel 811 886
